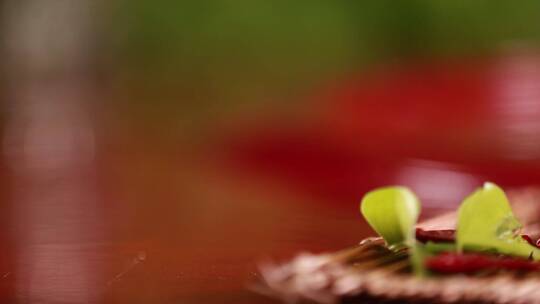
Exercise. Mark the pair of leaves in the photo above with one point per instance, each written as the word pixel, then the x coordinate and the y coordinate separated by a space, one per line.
pixel 485 221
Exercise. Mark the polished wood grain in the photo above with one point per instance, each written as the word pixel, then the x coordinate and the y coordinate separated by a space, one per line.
pixel 100 207
pixel 153 223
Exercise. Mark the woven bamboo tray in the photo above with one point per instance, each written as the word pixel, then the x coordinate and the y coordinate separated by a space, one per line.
pixel 370 273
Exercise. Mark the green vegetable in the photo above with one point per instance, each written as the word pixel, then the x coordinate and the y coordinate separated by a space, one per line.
pixel 436 248
pixel 392 212
pixel 486 223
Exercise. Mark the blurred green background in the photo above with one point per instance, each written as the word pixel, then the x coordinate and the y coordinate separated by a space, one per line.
pixel 193 61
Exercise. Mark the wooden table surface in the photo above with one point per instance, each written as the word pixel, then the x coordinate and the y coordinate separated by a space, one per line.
pixel 96 209
pixel 153 225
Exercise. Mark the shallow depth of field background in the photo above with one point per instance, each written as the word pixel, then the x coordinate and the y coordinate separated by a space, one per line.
pixel 156 151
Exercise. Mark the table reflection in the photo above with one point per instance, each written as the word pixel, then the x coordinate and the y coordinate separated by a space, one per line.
pixel 49 149
pixel 58 222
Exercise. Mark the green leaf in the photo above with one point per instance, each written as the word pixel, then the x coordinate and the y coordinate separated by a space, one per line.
pixel 392 212
pixel 486 223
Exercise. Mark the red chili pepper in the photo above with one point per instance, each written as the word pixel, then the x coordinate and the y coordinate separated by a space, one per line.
pixel 472 262
pixel 436 236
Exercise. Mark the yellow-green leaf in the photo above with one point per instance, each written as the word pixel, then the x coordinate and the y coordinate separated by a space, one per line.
pixel 486 223
pixel 392 212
